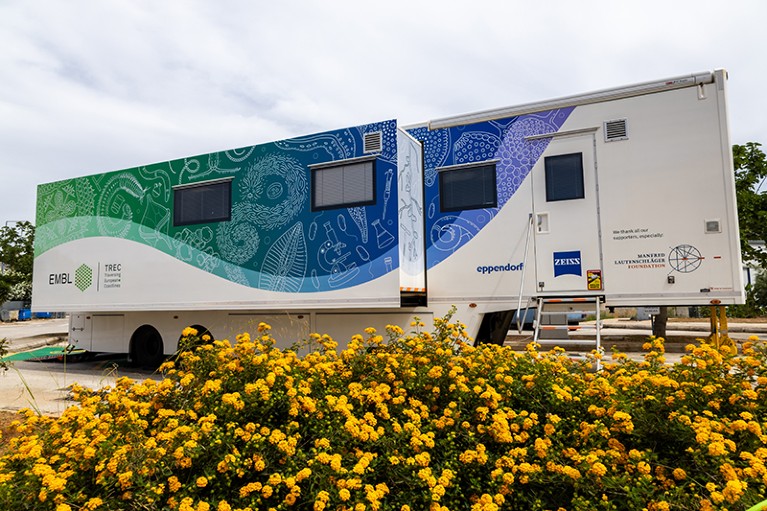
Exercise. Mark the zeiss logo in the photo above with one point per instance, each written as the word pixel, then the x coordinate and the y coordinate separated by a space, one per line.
pixel 567 263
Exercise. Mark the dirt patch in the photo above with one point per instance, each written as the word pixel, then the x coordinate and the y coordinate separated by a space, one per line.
pixel 6 418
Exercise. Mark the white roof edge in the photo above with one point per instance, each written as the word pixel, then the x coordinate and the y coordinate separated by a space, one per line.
pixel 408 127
pixel 639 89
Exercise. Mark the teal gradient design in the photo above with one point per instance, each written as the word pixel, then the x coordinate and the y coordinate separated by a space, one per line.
pixel 273 241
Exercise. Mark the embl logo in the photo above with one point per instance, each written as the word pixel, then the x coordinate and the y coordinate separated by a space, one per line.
pixel 83 277
pixel 567 263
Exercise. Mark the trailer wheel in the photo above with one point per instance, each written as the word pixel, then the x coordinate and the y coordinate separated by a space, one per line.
pixel 494 327
pixel 146 347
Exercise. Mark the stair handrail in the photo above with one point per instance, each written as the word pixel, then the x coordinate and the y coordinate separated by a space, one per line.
pixel 521 317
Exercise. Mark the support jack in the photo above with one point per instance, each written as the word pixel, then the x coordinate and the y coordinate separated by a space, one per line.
pixel 719 333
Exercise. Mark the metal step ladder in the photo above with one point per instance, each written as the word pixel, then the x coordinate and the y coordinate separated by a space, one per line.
pixel 552 329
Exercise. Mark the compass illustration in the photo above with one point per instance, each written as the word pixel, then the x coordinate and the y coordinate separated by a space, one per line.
pixel 685 258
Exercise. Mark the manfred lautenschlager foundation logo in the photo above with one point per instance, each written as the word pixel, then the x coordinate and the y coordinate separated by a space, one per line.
pixel 83 277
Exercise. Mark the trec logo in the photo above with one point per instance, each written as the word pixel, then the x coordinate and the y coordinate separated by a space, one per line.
pixel 567 263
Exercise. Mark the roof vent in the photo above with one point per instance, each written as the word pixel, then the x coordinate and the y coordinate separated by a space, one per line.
pixel 372 142
pixel 616 130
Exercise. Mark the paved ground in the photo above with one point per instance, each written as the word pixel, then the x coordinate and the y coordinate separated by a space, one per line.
pixel 43 385
pixel 737 329
pixel 33 333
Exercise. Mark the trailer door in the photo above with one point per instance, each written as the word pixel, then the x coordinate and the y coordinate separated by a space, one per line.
pixel 568 252
pixel 80 329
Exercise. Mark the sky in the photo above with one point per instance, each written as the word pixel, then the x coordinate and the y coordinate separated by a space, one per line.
pixel 91 86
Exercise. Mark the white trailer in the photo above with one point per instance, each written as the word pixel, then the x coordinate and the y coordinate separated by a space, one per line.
pixel 622 196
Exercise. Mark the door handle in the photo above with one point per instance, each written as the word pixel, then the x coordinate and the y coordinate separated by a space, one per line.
pixel 542 223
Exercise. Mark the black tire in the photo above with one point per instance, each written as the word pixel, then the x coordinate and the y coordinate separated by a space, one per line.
pixel 147 349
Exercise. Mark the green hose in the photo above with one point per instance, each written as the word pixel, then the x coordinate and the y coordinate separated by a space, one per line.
pixel 759 506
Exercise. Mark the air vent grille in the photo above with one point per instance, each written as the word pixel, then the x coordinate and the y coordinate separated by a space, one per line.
pixel 372 142
pixel 616 130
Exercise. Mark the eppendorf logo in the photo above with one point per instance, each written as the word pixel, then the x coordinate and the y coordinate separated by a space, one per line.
pixel 567 263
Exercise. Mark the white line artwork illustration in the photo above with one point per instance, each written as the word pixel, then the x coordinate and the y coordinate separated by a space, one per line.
pixel 155 223
pixel 275 188
pixel 332 257
pixel 361 219
pixel 448 233
pixel 387 190
pixel 118 198
pixel 383 237
pixel 238 240
pixel 284 266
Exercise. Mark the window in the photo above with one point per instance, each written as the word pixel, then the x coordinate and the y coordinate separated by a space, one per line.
pixel 342 185
pixel 564 177
pixel 467 187
pixel 202 203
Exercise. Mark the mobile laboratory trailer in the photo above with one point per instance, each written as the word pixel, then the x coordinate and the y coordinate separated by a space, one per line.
pixel 622 196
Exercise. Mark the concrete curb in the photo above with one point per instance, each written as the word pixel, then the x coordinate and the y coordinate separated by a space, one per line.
pixel 19 345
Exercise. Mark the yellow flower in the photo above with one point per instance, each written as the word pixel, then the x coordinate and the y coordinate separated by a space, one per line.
pixel 717 497
pixel 174 484
pixel 733 490
pixel 598 469
pixel 303 474
pixel 93 503
pixel 716 448
pixel 188 332
pixel 202 482
pixel 125 479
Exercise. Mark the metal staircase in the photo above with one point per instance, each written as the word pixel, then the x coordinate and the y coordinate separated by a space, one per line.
pixel 552 329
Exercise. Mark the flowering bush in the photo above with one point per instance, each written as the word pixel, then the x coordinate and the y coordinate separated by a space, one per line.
pixel 411 422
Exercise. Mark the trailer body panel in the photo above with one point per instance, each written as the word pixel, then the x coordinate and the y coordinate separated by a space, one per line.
pixel 626 194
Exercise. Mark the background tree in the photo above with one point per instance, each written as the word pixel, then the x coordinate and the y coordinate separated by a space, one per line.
pixel 750 174
pixel 16 261
pixel 750 164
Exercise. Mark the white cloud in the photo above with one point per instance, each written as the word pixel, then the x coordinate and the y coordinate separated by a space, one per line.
pixel 92 86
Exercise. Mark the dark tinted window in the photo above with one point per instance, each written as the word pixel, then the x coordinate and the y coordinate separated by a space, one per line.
pixel 199 204
pixel 467 188
pixel 564 177
pixel 343 185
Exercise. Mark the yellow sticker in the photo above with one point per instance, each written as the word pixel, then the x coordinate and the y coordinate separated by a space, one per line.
pixel 594 279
